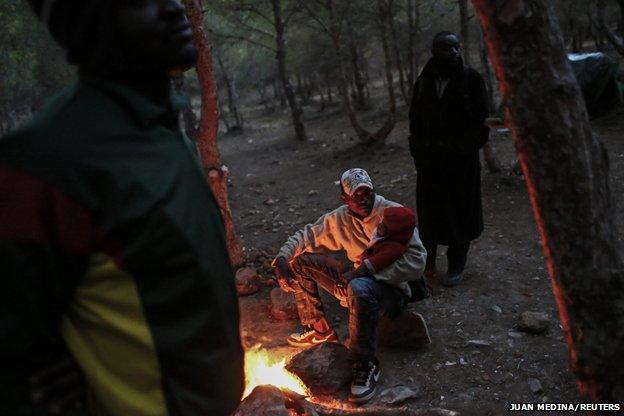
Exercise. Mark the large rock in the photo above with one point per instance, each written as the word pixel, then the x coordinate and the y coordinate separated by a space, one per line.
pixel 283 305
pixel 324 368
pixel 263 401
pixel 533 322
pixel 246 281
pixel 408 330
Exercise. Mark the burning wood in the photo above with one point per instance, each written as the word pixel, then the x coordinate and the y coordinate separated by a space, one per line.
pixel 261 369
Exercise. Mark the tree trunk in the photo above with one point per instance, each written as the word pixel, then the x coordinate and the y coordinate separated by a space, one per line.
pixel 621 22
pixel 614 40
pixel 366 137
pixel 489 155
pixel 397 51
pixel 412 54
pixel 361 101
pixel 566 171
pixel 216 173
pixel 465 31
pixel 385 14
pixel 280 47
pixel 232 108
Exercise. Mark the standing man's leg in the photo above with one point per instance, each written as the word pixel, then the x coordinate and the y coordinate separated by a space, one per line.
pixel 367 299
pixel 456 257
pixel 432 251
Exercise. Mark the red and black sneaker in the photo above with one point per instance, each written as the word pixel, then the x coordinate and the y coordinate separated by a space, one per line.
pixel 309 337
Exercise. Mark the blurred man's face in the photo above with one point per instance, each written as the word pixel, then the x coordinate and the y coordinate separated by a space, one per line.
pixel 361 202
pixel 156 35
pixel 447 50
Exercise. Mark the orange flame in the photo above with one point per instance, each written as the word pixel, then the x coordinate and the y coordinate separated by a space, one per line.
pixel 261 369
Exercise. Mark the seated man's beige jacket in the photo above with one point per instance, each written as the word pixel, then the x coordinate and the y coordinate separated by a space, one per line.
pixel 341 230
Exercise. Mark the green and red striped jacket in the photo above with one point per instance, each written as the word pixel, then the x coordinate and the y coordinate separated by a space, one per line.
pixel 112 244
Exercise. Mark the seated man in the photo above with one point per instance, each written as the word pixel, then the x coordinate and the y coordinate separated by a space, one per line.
pixel 301 266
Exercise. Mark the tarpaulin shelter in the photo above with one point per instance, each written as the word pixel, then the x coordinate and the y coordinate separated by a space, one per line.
pixel 596 74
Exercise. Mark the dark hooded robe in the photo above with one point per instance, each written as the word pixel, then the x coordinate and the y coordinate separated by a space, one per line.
pixel 445 137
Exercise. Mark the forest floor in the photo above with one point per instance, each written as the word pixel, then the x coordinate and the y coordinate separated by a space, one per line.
pixel 278 185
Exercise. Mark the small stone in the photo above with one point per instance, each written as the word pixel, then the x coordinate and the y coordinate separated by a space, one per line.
pixel 246 281
pixel 535 386
pixel 397 395
pixel 514 334
pixel 437 366
pixel 462 361
pixel 313 192
pixel 407 330
pixel 497 309
pixel 263 400
pixel 450 363
pixel 533 322
pixel 478 343
pixel 269 202
pixel 283 306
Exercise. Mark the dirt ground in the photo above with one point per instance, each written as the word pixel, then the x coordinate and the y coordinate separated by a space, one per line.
pixel 278 185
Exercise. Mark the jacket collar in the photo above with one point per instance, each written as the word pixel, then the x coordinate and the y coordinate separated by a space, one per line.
pixel 144 111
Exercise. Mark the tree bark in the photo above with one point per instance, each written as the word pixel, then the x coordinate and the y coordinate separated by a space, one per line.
pixel 280 46
pixel 566 171
pixel 216 174
pixel 464 30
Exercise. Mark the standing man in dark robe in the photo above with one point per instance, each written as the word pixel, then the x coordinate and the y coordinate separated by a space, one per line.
pixel 447 114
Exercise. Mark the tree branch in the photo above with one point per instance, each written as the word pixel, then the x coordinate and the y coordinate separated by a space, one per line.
pixel 314 15
pixel 241 38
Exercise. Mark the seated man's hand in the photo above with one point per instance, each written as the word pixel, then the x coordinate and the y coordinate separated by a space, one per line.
pixel 283 275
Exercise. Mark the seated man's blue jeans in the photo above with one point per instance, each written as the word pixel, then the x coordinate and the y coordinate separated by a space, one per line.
pixel 366 297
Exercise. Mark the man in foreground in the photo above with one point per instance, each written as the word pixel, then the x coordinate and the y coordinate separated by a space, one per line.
pixel 111 243
pixel 302 265
pixel 447 114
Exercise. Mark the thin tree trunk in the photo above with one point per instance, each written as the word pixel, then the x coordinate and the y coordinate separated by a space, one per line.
pixel 384 7
pixel 280 46
pixel 621 22
pixel 397 51
pixel 232 108
pixel 411 41
pixel 465 31
pixel 361 100
pixel 566 171
pixel 216 173
pixel 614 40
pixel 489 152
pixel 365 136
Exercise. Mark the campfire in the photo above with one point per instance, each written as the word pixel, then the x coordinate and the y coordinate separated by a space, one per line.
pixel 270 389
pixel 262 369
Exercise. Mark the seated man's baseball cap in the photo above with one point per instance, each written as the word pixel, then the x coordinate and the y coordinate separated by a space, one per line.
pixel 354 179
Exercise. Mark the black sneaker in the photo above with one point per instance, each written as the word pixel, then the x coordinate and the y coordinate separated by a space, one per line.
pixel 365 378
pixel 309 337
